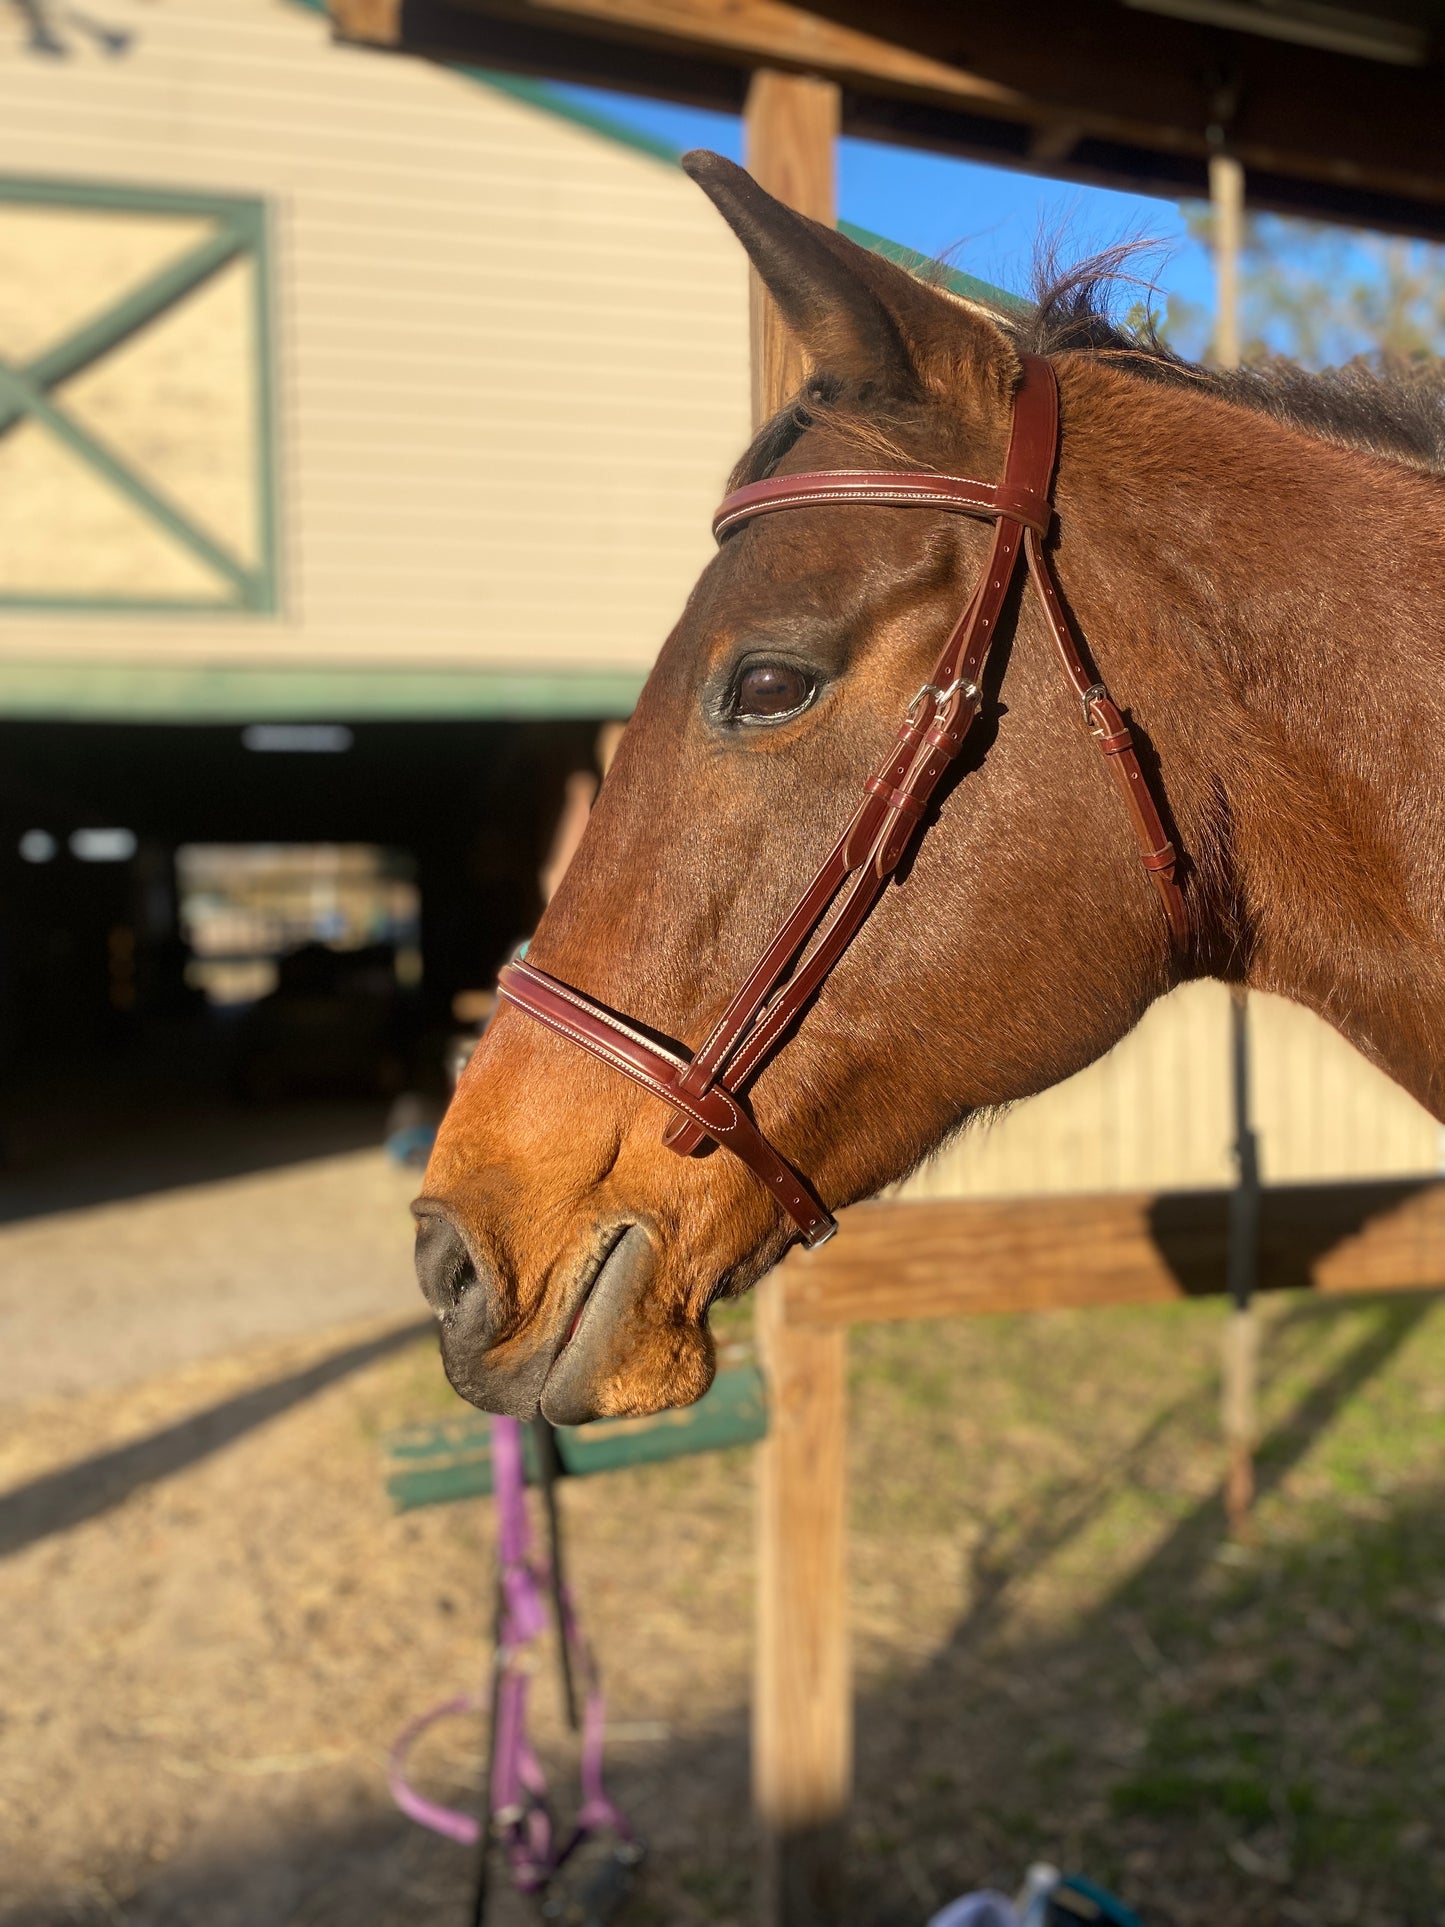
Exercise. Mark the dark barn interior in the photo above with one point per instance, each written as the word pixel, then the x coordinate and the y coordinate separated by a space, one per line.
pixel 119 1071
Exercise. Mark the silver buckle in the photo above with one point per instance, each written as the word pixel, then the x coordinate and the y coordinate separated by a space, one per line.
pixel 822 1238
pixel 942 696
pixel 1090 696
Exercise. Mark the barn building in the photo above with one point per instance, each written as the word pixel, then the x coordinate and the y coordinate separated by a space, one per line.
pixel 360 420
pixel 358 433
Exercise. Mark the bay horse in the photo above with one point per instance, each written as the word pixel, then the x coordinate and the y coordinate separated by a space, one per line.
pixel 1255 564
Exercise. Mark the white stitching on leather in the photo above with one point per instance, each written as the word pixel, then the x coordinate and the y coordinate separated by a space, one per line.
pixel 574 997
pixel 874 498
pixel 942 491
pixel 618 1062
pixel 665 1091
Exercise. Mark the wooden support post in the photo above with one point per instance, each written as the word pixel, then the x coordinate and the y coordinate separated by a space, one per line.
pixel 802 1697
pixel 802 1694
pixel 1226 193
pixel 792 129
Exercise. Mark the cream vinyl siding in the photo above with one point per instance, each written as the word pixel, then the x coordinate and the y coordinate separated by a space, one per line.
pixel 510 354
pixel 1157 1113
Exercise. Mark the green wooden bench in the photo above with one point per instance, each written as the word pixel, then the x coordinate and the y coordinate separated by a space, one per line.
pixel 435 1464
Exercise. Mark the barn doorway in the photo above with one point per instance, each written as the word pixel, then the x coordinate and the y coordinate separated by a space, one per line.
pixel 231 946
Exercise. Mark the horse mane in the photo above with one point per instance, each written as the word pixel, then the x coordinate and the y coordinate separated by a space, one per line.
pixel 1388 406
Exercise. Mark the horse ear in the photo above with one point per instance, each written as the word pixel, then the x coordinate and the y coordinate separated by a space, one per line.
pixel 856 315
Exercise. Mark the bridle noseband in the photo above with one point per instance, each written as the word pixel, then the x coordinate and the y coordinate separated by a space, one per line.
pixel 702 1089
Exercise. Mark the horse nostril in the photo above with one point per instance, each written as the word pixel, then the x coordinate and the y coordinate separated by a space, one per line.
pixel 444 1268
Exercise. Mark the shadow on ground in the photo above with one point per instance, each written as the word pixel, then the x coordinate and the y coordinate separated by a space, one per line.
pixel 152 1117
pixel 1233 1737
pixel 59 1500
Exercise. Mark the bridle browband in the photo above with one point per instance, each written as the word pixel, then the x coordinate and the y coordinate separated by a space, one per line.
pixel 702 1089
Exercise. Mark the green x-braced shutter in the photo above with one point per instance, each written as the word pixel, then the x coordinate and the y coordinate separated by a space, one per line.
pixel 135 401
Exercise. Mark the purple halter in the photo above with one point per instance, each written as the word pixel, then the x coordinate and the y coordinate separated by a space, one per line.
pixel 519 1811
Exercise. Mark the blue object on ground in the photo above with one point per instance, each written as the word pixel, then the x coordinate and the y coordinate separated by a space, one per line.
pixel 411 1146
pixel 1096 1905
pixel 984 1909
pixel 1048 1899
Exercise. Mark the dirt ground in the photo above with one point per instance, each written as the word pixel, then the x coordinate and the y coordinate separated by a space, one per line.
pixel 214 1626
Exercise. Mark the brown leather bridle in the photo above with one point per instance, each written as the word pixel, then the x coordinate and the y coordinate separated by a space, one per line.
pixel 702 1089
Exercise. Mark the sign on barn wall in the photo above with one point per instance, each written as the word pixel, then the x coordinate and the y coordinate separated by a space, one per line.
pixel 134 400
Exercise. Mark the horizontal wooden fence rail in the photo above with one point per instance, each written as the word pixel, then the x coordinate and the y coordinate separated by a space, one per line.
pixel 953 1259
pixel 956 1257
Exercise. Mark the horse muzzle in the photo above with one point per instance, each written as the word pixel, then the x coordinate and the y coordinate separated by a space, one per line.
pixel 596 1347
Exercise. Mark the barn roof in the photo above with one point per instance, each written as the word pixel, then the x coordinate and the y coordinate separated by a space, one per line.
pixel 1334 109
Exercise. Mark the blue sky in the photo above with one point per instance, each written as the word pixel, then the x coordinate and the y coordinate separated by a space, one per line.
pixel 986 219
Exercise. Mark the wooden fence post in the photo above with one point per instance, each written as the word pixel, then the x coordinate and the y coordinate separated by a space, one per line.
pixel 802 1695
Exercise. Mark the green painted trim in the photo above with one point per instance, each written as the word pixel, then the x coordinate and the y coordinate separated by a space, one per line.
pixel 129 315
pixel 129 692
pixel 243 228
pixel 114 197
pixel 98 605
pixel 27 399
pixel 265 599
pixel 937 272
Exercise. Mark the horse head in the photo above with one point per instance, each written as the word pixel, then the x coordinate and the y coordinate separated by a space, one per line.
pixel 571 1257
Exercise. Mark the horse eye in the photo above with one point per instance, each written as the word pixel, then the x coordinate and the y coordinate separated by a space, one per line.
pixel 767 690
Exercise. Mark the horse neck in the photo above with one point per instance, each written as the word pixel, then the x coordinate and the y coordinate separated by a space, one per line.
pixel 1275 605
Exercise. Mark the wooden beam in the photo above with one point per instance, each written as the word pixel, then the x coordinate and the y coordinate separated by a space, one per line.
pixel 441 30
pixel 1127 100
pixel 765 32
pixel 376 23
pixel 953 1259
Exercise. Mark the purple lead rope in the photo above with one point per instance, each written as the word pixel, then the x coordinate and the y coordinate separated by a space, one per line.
pixel 520 1815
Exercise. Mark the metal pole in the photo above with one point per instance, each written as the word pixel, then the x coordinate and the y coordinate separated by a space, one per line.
pixel 482 1885
pixel 1239 1399
pixel 549 1470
